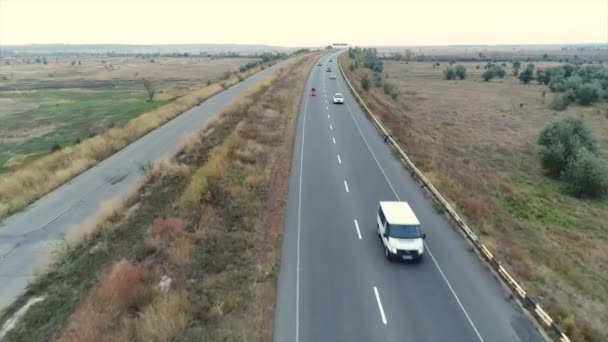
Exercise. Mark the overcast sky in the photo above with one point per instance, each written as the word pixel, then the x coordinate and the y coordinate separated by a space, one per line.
pixel 303 23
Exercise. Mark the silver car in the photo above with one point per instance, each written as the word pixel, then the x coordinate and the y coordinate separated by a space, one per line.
pixel 338 98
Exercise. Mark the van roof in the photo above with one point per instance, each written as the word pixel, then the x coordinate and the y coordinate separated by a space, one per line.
pixel 398 213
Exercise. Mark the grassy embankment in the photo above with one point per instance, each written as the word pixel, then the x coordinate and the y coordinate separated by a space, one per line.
pixel 211 220
pixel 25 185
pixel 476 141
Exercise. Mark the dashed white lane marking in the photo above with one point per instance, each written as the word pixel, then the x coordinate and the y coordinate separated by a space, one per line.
pixel 345 185
pixel 339 160
pixel 380 306
pixel 358 231
pixel 331 127
pixel 328 116
pixel 334 139
pixel 326 107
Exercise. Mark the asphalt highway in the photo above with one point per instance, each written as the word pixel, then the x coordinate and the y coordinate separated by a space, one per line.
pixel 334 282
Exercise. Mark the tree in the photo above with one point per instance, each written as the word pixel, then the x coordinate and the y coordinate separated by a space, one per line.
pixel 588 93
pixel 586 175
pixel 149 89
pixel 516 66
pixel 409 55
pixel 364 82
pixel 449 73
pixel 487 75
pixel 559 142
pixel 461 71
pixel 527 75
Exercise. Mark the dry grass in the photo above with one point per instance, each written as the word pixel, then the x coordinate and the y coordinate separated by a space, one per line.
pixel 174 76
pixel 476 141
pixel 121 290
pixel 22 187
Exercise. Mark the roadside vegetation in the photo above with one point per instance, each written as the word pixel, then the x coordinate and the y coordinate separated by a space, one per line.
pixel 529 180
pixel 78 129
pixel 193 254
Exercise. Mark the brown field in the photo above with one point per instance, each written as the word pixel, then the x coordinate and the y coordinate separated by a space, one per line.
pixel 596 52
pixel 172 74
pixel 476 141
pixel 211 219
pixel 27 182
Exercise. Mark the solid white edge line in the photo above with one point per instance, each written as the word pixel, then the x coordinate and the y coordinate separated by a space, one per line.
pixel 299 224
pixel 339 160
pixel 382 315
pixel 346 185
pixel 358 231
pixel 425 245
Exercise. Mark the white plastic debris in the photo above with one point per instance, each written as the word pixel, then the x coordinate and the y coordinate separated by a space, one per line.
pixel 165 283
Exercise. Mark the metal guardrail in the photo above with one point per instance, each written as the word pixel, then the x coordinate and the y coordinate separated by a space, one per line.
pixel 527 301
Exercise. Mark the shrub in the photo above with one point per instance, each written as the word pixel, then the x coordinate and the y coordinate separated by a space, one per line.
pixel 588 93
pixel 394 95
pixel 586 175
pixel 559 102
pixel 364 82
pixel 449 73
pixel 377 80
pixel 527 75
pixel 387 88
pixel 492 70
pixel 55 147
pixel 461 71
pixel 559 141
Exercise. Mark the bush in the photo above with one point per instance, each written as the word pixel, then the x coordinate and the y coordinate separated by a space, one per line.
pixel 588 93
pixel 461 71
pixel 364 82
pixel 586 175
pixel 449 73
pixel 394 95
pixel 527 75
pixel 559 102
pixel 492 70
pixel 560 141
pixel 55 147
pixel 377 80
pixel 387 88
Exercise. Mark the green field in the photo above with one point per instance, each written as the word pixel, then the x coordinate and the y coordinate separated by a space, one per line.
pixel 50 118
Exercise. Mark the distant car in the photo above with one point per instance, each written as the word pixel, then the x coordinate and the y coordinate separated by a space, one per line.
pixel 328 70
pixel 332 77
pixel 319 64
pixel 338 98
pixel 313 92
pixel 331 60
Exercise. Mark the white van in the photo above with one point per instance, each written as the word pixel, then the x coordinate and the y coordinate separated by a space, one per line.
pixel 399 230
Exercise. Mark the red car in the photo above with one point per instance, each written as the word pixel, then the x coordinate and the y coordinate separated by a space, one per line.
pixel 313 92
